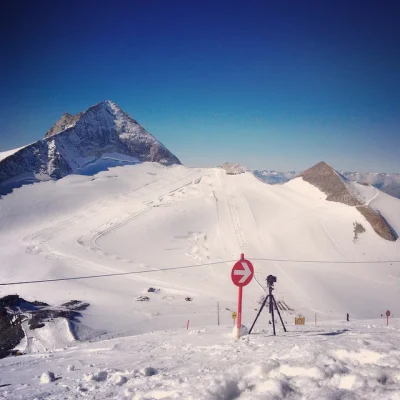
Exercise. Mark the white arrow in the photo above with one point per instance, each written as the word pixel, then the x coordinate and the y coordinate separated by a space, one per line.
pixel 245 272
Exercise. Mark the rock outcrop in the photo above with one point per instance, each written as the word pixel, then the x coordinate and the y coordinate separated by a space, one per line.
pixel 233 169
pixel 65 122
pixel 338 189
pixel 326 179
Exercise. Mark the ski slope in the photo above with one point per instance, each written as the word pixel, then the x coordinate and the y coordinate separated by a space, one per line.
pixel 161 222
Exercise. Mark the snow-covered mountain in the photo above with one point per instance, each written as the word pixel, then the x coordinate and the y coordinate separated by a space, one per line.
pixel 386 182
pixel 161 235
pixel 273 177
pixel 339 189
pixel 102 132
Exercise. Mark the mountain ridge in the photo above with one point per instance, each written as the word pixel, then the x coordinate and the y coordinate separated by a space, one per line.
pixel 101 129
pixel 335 186
pixel 386 182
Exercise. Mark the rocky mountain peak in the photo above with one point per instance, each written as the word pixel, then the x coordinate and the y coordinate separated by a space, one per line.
pixel 76 140
pixel 329 181
pixel 338 189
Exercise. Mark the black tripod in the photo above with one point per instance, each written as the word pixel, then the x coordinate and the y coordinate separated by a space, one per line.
pixel 272 305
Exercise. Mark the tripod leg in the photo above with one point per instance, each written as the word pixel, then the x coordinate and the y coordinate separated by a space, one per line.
pixel 277 309
pixel 271 307
pixel 259 312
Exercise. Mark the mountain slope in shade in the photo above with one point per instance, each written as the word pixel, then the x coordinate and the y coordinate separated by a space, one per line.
pixel 339 190
pixel 101 130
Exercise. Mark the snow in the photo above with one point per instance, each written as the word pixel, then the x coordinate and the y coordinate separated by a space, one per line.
pixel 47 377
pixel 5 154
pixel 54 335
pixel 163 224
pixel 243 331
pixel 148 217
pixel 335 360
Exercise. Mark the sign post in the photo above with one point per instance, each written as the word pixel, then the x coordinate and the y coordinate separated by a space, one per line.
pixel 387 317
pixel 241 275
pixel 234 316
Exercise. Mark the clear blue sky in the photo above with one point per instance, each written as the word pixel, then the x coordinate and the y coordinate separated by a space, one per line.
pixel 270 84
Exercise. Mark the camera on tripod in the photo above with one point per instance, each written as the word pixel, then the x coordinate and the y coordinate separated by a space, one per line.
pixel 271 280
pixel 273 306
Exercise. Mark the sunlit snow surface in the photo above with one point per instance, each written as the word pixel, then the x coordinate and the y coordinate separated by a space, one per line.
pixel 146 217
pixel 340 360
pixel 5 154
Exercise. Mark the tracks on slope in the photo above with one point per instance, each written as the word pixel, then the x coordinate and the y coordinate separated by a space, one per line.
pixel 89 240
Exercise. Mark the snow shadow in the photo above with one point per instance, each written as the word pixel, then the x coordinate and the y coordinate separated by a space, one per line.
pixel 333 333
pixel 101 165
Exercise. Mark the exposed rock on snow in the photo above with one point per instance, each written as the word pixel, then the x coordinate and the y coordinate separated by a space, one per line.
pixel 380 225
pixel 386 182
pixel 326 179
pixel 233 169
pixel 65 122
pixel 11 332
pixel 15 310
pixel 337 189
pixel 101 129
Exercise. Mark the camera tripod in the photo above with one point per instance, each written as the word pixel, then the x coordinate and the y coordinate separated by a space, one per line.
pixel 272 305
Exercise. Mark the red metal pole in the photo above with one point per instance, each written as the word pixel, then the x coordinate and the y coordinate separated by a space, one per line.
pixel 239 316
pixel 240 297
pixel 387 319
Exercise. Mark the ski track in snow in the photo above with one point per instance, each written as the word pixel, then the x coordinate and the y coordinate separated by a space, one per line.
pixel 89 241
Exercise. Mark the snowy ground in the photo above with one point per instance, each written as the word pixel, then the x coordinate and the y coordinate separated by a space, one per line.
pixel 147 217
pixel 163 224
pixel 356 360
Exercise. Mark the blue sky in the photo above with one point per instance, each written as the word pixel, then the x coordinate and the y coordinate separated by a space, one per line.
pixel 270 84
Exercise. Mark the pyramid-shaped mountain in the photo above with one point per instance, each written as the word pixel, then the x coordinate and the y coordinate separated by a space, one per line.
pixel 339 189
pixel 74 141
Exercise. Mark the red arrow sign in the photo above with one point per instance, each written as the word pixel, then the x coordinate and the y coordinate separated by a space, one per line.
pixel 388 313
pixel 242 273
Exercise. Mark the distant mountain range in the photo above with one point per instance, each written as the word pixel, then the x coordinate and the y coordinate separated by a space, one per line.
pixel 102 132
pixel 387 182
